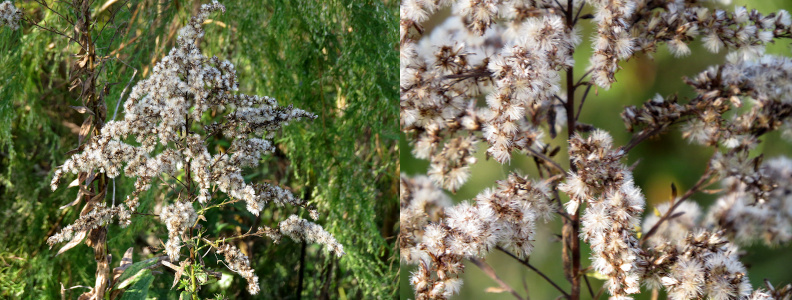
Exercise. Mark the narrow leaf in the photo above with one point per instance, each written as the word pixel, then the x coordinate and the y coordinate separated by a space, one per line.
pixel 76 240
pixel 134 268
pixel 82 109
pixel 495 290
pixel 139 290
pixel 77 200
pixel 126 261
pixel 85 129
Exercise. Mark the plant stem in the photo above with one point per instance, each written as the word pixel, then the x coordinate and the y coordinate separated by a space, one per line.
pixel 192 280
pixel 699 184
pixel 302 271
pixel 571 230
pixel 525 263
pixel 491 273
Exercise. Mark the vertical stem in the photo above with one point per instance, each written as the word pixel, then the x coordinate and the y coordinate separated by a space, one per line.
pixel 571 229
pixel 302 271
pixel 187 170
pixel 192 280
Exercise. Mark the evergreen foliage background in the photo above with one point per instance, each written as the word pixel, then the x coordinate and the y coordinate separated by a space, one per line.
pixel 333 58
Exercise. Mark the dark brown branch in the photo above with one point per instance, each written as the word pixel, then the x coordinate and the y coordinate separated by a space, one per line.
pixel 571 229
pixel 491 273
pixel 546 159
pixel 668 215
pixel 580 81
pixel 582 100
pixel 525 263
pixel 641 137
pixel 577 15
pixel 588 285
pixel 561 7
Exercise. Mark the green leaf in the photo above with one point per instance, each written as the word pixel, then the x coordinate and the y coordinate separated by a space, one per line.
pixel 139 290
pixel 135 272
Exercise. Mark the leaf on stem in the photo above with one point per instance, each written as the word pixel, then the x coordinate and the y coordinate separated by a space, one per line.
pixel 78 238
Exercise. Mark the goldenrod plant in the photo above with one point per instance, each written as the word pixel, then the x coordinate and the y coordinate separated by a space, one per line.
pixel 503 76
pixel 169 177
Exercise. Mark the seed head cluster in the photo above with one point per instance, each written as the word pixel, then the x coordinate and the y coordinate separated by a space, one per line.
pixel 502 217
pixel 9 15
pixel 169 120
pixel 491 75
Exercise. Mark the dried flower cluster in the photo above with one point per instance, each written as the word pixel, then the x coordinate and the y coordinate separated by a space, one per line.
pixel 702 264
pixel 302 230
pixel 748 219
pixel 613 209
pixel 171 115
pixel 178 217
pixel 239 263
pixel 504 217
pixel 9 15
pixel 501 73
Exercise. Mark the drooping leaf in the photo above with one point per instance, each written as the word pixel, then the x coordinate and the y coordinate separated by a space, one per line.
pixel 74 242
pixel 139 290
pixel 133 270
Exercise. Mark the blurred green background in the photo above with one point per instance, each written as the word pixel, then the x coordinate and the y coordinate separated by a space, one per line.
pixel 664 160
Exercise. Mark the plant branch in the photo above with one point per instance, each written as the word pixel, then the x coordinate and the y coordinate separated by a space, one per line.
pixel 491 273
pixel 301 274
pixel 546 159
pixel 525 263
pixel 582 100
pixel 577 15
pixel 571 229
pixel 706 176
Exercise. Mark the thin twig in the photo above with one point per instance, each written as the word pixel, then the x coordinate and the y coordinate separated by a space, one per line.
pixel 525 263
pixel 706 176
pixel 641 137
pixel 302 271
pixel 70 38
pixel 561 7
pixel 546 159
pixel 588 284
pixel 582 100
pixel 599 292
pixel 115 112
pixel 577 15
pixel 580 81
pixel 559 99
pixel 491 273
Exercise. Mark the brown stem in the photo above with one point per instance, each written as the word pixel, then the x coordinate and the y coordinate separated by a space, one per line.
pixel 571 230
pixel 525 263
pixel 543 157
pixel 641 137
pixel 706 176
pixel 491 273
pixel 588 285
pixel 582 100
pixel 301 274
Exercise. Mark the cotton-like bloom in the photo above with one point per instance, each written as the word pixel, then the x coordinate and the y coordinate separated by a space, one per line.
pixel 300 229
pixel 239 263
pixel 178 217
pixel 169 118
pixel 9 15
